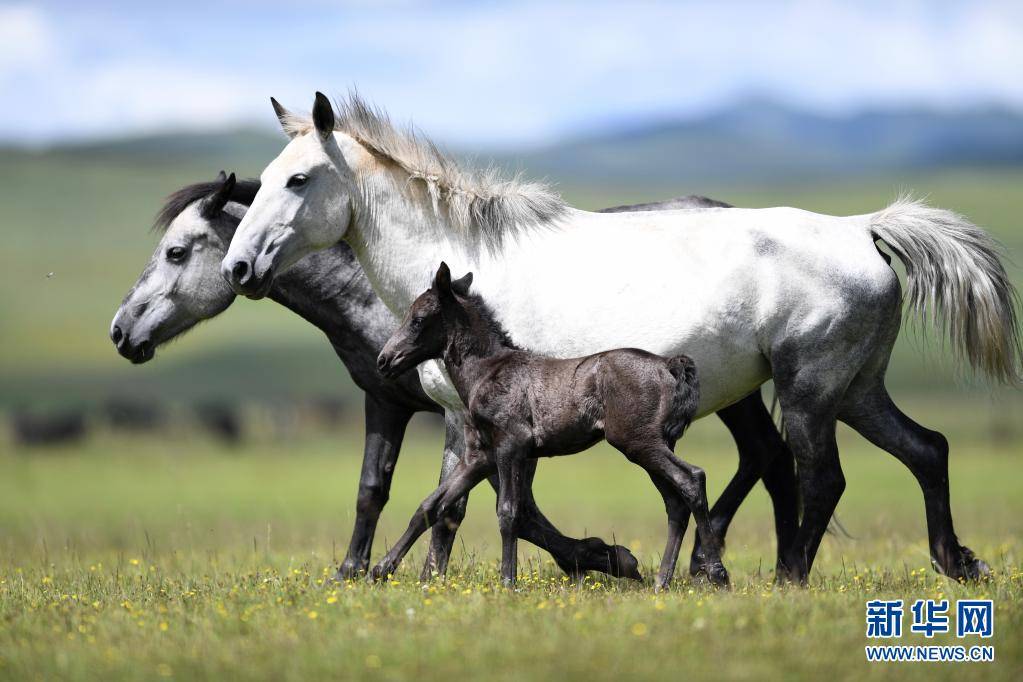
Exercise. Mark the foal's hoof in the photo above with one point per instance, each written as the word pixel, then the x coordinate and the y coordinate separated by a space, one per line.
pixel 624 564
pixel 596 555
pixel 715 574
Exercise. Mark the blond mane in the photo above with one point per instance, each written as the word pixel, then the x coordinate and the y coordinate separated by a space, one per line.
pixel 478 200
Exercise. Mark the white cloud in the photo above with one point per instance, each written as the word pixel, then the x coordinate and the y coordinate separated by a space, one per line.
pixel 26 39
pixel 480 74
pixel 153 95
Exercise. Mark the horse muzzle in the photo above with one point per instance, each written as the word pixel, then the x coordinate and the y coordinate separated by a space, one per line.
pixel 241 275
pixel 137 352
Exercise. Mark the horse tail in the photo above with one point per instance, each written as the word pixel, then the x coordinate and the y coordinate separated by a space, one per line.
pixel 957 283
pixel 685 399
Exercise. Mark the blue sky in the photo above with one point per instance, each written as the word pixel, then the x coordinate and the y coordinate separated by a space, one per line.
pixel 490 74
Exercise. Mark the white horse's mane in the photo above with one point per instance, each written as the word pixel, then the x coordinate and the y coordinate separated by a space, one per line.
pixel 478 200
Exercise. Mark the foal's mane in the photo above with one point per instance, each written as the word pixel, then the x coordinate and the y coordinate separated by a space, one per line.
pixel 479 200
pixel 475 303
pixel 244 192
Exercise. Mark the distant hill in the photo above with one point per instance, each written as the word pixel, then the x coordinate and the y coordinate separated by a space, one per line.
pixel 751 141
pixel 759 140
pixel 246 150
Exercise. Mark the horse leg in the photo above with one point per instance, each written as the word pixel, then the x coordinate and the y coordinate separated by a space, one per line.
pixel 574 557
pixel 510 462
pixel 469 471
pixel 385 430
pixel 811 435
pixel 678 521
pixel 781 484
pixel 762 454
pixel 690 484
pixel 874 416
pixel 442 538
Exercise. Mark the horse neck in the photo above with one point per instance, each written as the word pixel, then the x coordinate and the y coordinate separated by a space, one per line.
pixel 473 340
pixel 329 290
pixel 400 239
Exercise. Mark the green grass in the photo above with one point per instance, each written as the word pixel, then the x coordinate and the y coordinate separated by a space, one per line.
pixel 135 558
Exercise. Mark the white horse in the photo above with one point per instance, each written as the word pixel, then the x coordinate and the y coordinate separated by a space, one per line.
pixel 803 298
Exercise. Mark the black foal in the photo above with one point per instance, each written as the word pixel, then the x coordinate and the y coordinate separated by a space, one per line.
pixel 522 405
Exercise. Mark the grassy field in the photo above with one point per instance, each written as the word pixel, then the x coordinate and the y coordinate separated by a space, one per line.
pixel 142 558
pixel 137 558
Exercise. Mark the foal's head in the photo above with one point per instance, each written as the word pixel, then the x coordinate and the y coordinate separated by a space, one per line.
pixel 423 334
pixel 181 285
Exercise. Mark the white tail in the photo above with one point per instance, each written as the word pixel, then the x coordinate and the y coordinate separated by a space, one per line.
pixel 957 282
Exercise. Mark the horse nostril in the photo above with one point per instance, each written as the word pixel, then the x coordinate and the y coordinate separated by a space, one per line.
pixel 116 335
pixel 240 271
pixel 381 361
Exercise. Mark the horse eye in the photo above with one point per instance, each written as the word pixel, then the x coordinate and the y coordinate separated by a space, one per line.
pixel 297 180
pixel 417 322
pixel 176 254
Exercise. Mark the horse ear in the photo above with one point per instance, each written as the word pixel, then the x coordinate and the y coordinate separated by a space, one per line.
pixel 284 116
pixel 461 285
pixel 214 203
pixel 323 116
pixel 442 280
pixel 221 176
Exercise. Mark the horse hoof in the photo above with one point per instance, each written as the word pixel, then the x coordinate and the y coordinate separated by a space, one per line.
pixel 429 572
pixel 978 570
pixel 716 575
pixel 696 563
pixel 972 568
pixel 348 571
pixel 625 565
pixel 380 572
pixel 596 555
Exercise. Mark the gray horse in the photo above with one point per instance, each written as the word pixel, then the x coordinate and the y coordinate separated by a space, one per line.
pixel 181 286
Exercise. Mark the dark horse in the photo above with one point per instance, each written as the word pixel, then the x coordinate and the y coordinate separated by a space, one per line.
pixel 522 405
pixel 181 286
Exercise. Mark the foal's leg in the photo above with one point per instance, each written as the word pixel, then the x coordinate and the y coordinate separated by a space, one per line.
pixel 690 484
pixel 875 417
pixel 574 557
pixel 762 453
pixel 385 430
pixel 510 461
pixel 678 521
pixel 471 469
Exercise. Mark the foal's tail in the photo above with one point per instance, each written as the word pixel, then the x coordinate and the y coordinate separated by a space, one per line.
pixel 956 281
pixel 686 398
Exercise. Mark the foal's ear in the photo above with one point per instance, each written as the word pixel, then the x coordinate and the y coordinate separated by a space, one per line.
pixel 284 116
pixel 221 176
pixel 323 116
pixel 214 203
pixel 442 280
pixel 461 285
